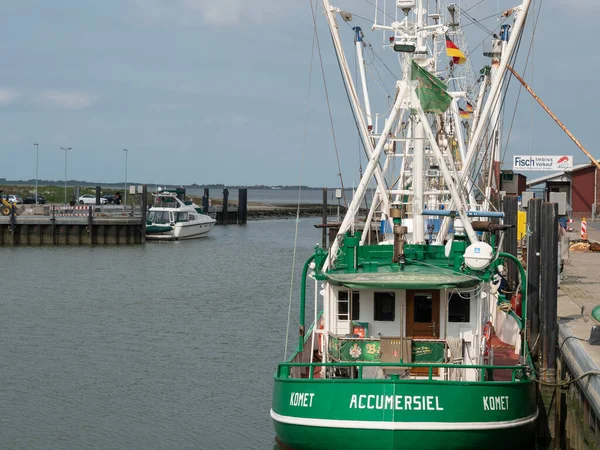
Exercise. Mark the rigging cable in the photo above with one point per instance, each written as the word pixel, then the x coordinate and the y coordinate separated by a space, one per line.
pixel 337 155
pixel 287 331
pixel 470 8
pixel 524 72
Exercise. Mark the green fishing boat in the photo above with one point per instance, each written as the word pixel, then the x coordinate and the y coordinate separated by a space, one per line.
pixel 416 339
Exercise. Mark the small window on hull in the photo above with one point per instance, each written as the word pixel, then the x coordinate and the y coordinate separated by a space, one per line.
pixel 343 305
pixel 459 308
pixel 385 306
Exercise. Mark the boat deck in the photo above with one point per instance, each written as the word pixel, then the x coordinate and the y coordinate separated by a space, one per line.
pixel 503 355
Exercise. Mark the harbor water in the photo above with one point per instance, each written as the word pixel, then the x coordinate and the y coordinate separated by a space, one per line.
pixel 156 346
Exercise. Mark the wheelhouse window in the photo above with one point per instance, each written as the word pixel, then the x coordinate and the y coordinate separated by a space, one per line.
pixel 182 217
pixel 385 306
pixel 343 304
pixel 459 307
pixel 159 217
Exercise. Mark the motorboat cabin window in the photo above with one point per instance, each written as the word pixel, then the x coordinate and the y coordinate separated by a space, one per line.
pixel 423 308
pixel 385 306
pixel 159 217
pixel 343 304
pixel 182 217
pixel 459 307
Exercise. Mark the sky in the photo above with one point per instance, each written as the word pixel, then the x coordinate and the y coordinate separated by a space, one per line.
pixel 206 92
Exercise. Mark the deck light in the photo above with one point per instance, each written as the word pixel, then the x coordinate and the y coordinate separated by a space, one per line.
pixel 404 47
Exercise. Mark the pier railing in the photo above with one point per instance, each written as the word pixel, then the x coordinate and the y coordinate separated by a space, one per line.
pixel 94 210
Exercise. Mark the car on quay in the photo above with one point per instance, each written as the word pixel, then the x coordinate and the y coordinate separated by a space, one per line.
pixel 16 199
pixel 31 199
pixel 88 199
pixel 113 199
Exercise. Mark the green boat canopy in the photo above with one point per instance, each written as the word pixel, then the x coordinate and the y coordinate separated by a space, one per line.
pixel 410 278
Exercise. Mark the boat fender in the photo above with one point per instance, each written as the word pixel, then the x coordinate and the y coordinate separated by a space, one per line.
pixel 487 336
pixel 320 341
pixel 495 282
pixel 515 304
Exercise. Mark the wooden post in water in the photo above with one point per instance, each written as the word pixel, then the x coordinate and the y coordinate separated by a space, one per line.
pixel 534 210
pixel 98 189
pixel 225 207
pixel 205 199
pixel 549 287
pixel 242 206
pixel 510 208
pixel 324 230
pixel 13 224
pixel 144 210
pixel 91 219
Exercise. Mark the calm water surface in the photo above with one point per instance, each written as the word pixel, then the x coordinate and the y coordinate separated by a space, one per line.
pixel 159 346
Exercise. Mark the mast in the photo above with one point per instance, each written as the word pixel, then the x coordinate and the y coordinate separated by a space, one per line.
pixel 355 104
pixel 363 77
pixel 419 154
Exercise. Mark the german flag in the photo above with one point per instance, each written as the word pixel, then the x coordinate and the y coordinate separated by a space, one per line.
pixel 469 107
pixel 463 114
pixel 454 52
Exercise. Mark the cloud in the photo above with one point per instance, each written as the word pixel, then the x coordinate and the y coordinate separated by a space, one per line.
pixel 67 99
pixel 8 96
pixel 221 12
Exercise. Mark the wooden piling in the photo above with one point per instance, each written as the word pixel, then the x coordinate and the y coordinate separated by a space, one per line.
pixel 98 193
pixel 90 225
pixel 205 200
pixel 225 204
pixel 13 225
pixel 534 210
pixel 144 210
pixel 242 206
pixel 549 286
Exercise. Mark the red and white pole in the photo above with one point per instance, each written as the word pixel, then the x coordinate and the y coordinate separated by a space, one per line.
pixel 583 229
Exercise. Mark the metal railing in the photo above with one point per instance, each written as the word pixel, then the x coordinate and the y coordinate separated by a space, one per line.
pixel 96 210
pixel 518 373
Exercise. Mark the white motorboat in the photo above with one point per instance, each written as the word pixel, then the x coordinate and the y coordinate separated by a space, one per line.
pixel 172 219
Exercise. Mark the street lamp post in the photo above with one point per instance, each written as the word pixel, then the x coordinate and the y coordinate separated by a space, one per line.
pixel 126 152
pixel 37 159
pixel 66 149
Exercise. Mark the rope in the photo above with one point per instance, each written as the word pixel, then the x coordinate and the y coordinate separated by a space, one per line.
pixel 337 155
pixel 287 330
pixel 568 381
pixel 524 72
pixel 455 346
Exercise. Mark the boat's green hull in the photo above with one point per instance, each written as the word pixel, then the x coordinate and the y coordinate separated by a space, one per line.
pixel 407 415
pixel 312 438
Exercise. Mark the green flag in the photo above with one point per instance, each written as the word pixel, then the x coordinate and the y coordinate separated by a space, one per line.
pixel 431 90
